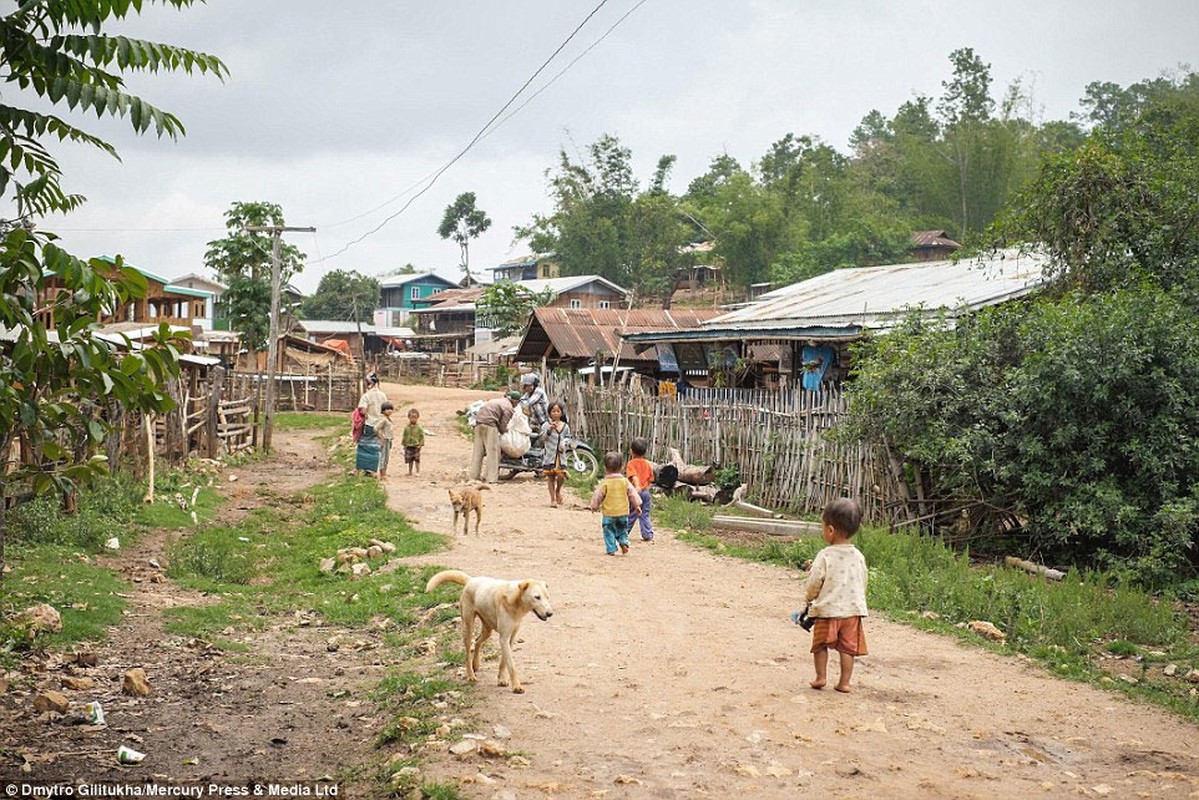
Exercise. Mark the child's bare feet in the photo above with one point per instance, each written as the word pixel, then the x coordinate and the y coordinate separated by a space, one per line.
pixel 843 689
pixel 818 683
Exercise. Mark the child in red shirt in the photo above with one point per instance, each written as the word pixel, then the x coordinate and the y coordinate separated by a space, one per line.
pixel 641 474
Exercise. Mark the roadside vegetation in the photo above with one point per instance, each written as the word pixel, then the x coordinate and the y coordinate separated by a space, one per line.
pixel 262 569
pixel 1093 626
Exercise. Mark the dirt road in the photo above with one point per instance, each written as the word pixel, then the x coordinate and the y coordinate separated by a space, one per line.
pixel 668 673
pixel 674 673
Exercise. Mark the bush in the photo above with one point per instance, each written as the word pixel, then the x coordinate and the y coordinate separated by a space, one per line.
pixel 104 511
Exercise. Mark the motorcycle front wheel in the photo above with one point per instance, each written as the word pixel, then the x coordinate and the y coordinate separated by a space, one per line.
pixel 583 462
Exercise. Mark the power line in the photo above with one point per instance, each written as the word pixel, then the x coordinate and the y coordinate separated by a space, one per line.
pixel 479 135
pixel 500 124
pixel 563 71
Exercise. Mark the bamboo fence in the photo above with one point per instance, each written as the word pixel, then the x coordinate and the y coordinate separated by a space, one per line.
pixel 777 439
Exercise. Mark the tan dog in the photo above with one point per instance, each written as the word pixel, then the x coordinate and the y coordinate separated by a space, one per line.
pixel 500 606
pixel 464 501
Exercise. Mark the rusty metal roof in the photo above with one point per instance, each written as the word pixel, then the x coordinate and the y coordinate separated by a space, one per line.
pixel 579 333
pixel 933 239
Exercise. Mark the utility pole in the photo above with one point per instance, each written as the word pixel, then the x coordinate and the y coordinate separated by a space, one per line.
pixel 272 338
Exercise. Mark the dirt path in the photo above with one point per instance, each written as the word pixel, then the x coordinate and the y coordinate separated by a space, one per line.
pixel 674 673
pixel 286 710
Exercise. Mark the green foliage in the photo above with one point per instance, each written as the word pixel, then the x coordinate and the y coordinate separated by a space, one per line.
pixel 728 476
pixel 1121 209
pixel 1073 417
pixel 462 222
pixel 243 261
pixel 503 377
pixel 603 224
pixel 343 295
pixel 507 307
pixel 1070 420
pixel 59 53
pixel 104 511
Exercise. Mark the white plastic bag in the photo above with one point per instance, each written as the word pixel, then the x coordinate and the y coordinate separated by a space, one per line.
pixel 515 443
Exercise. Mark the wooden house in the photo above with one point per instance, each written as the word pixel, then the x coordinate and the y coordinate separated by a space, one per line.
pixel 525 268
pixel 399 295
pixel 932 246
pixel 163 302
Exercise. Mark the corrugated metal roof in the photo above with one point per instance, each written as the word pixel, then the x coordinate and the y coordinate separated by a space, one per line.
pixel 563 285
pixel 395 333
pixel 399 280
pixel 875 297
pixel 186 290
pixel 932 239
pixel 334 326
pixel 582 332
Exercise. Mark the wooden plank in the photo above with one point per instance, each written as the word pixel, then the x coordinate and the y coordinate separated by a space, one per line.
pixel 771 527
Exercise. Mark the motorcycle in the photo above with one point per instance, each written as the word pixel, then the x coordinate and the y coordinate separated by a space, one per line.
pixel 577 457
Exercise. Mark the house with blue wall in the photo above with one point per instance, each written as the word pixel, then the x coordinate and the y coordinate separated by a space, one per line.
pixel 400 294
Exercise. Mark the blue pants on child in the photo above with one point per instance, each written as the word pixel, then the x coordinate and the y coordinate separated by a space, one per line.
pixel 616 531
pixel 647 530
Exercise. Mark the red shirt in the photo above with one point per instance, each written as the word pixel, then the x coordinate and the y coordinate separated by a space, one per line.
pixel 641 471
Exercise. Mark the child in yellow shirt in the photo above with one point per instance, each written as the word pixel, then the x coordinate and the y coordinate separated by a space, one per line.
pixel 615 496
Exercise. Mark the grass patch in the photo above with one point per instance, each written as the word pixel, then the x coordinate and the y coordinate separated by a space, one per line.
pixel 310 421
pixel 268 562
pixel 680 514
pixel 104 511
pixel 1091 626
pixel 87 596
pixel 417 705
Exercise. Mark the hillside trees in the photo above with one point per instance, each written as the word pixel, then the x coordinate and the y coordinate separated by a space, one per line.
pixel 242 260
pixel 59 384
pixel 1070 420
pixel 603 224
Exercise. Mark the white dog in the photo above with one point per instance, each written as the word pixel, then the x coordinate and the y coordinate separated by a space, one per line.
pixel 500 606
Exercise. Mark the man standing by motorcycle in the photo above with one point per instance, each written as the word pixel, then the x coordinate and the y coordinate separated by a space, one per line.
pixel 490 421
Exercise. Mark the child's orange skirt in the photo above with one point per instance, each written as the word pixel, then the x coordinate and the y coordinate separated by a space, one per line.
pixel 844 634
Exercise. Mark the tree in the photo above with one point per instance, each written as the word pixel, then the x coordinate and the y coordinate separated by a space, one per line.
pixel 1070 419
pixel 506 307
pixel 58 381
pixel 343 295
pixel 604 225
pixel 1122 208
pixel 242 260
pixel 462 222
pixel 59 52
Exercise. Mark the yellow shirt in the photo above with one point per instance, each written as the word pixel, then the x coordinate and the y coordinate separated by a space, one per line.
pixel 613 491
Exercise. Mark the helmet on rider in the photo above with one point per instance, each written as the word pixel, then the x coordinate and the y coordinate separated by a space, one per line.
pixel 530 379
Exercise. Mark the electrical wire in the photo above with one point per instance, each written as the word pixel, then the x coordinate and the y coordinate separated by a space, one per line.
pixel 479 135
pixel 507 117
pixel 563 71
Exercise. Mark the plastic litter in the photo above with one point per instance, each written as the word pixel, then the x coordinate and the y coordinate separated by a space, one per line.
pixel 127 755
pixel 95 714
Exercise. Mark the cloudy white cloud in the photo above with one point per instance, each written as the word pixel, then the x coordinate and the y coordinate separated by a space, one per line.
pixel 332 109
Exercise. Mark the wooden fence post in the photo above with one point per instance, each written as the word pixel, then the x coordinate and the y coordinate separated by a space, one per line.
pixel 216 386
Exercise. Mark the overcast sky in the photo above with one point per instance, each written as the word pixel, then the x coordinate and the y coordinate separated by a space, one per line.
pixel 334 110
